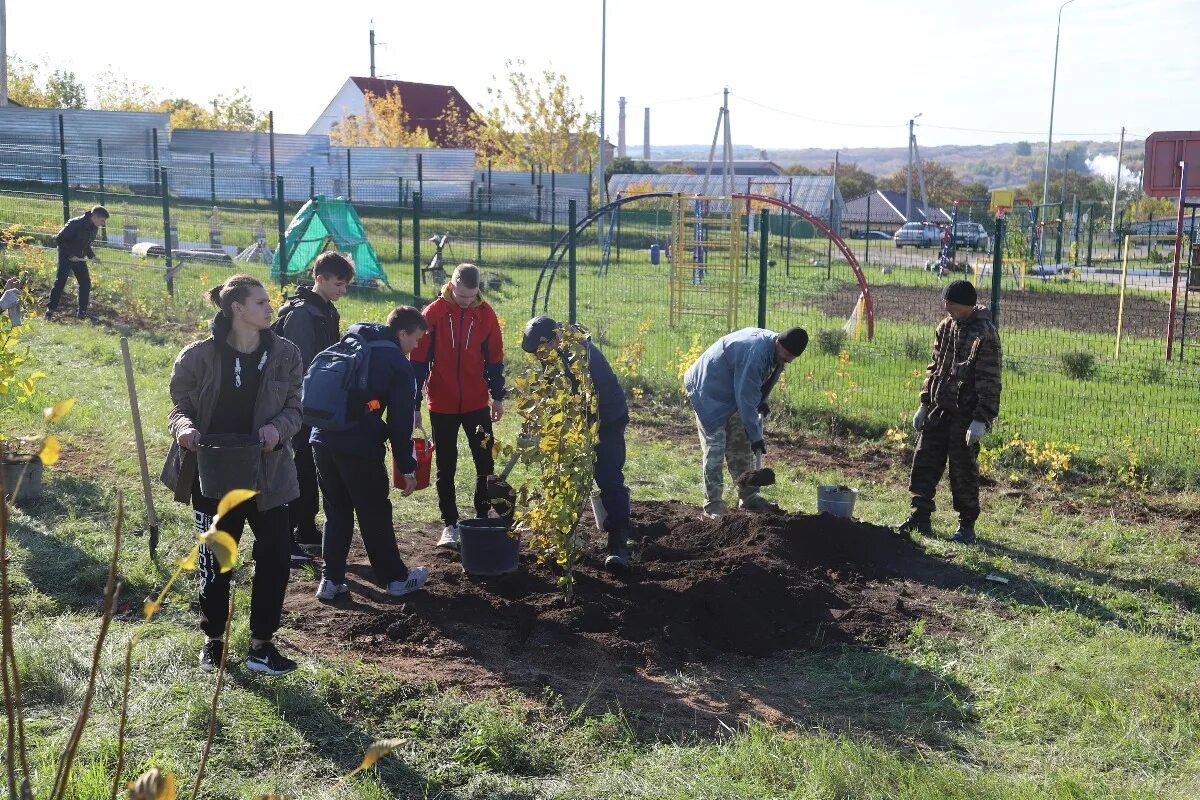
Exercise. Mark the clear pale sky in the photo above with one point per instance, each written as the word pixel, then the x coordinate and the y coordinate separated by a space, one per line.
pixel 867 64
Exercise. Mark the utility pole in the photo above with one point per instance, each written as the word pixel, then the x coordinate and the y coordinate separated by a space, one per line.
pixel 908 176
pixel 372 48
pixel 727 161
pixel 1112 222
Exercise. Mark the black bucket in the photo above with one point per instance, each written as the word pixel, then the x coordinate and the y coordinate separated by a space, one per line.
pixel 486 548
pixel 228 461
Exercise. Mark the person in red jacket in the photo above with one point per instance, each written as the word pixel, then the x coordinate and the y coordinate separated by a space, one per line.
pixel 460 363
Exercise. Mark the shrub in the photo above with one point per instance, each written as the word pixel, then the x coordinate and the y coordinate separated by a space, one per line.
pixel 915 349
pixel 832 341
pixel 1153 373
pixel 1079 364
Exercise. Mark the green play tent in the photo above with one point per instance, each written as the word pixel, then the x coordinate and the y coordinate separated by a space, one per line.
pixel 321 220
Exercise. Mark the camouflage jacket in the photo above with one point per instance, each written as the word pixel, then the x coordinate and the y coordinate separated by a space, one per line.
pixel 964 375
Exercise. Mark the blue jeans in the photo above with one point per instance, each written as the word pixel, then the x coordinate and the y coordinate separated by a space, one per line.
pixel 610 476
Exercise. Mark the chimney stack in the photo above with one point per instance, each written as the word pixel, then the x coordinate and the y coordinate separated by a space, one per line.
pixel 646 137
pixel 621 129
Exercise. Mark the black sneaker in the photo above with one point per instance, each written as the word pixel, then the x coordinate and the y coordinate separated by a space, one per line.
pixel 268 660
pixel 915 524
pixel 965 533
pixel 299 556
pixel 210 655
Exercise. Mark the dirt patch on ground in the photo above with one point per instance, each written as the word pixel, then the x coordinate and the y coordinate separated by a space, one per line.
pixel 727 598
pixel 1086 313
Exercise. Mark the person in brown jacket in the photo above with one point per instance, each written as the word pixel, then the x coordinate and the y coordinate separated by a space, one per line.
pixel 960 400
pixel 244 380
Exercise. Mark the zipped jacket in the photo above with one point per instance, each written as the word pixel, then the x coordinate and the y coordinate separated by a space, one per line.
pixel 74 239
pixel 195 386
pixel 460 360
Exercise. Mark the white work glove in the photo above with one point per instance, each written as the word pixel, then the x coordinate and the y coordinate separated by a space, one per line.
pixel 975 432
pixel 919 417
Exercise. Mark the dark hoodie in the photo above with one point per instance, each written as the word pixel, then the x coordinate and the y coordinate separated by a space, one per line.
pixel 308 321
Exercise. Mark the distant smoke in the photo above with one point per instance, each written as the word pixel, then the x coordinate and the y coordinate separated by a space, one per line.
pixel 1106 166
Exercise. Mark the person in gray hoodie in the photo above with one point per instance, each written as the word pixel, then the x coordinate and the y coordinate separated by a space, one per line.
pixel 728 388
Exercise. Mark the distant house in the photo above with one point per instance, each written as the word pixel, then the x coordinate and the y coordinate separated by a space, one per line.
pixel 742 169
pixel 425 104
pixel 816 194
pixel 887 212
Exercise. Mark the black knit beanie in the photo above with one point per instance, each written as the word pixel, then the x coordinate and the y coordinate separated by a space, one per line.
pixel 794 340
pixel 961 292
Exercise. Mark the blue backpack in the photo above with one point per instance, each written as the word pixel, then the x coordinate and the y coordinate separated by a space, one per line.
pixel 337 378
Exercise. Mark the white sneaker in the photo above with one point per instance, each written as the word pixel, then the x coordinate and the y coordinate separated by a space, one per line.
pixel 417 576
pixel 449 538
pixel 328 590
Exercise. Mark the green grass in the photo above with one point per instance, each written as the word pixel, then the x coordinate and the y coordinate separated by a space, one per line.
pixel 1077 679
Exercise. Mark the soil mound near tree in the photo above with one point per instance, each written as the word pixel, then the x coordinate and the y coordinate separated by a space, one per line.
pixel 701 592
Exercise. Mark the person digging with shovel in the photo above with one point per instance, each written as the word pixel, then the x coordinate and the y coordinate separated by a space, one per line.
pixel 728 388
pixel 541 339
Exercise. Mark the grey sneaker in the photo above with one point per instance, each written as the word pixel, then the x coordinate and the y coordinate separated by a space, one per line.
pixel 715 510
pixel 417 577
pixel 328 590
pixel 449 538
pixel 756 502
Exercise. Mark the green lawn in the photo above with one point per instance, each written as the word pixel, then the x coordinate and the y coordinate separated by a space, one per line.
pixel 1077 679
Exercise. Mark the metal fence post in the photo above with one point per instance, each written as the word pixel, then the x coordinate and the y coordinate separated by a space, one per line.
pixel 1091 230
pixel 66 189
pixel 349 179
pixel 399 221
pixel 164 191
pixel 479 226
pixel 279 222
pixel 312 182
pixel 420 175
pixel 157 166
pixel 1058 242
pixel 416 240
pixel 997 266
pixel 100 174
pixel 271 144
pixel 764 233
pixel 212 177
pixel 489 186
pixel 571 286
pixel 867 233
pixel 62 137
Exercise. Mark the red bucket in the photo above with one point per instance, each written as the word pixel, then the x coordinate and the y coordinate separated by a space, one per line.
pixel 423 450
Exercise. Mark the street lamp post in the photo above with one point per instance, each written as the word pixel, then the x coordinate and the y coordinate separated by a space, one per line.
pixel 601 186
pixel 1053 86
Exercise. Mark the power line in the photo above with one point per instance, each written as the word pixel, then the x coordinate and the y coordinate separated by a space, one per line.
pixel 1014 133
pixel 815 119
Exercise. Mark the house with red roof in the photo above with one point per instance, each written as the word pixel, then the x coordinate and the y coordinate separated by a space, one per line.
pixel 425 103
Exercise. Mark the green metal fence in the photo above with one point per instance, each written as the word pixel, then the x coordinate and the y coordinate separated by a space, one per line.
pixel 1059 315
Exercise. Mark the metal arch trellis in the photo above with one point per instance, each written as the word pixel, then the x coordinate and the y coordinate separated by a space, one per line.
pixel 868 308
pixel 558 251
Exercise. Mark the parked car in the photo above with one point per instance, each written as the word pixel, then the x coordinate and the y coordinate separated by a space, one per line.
pixel 918 234
pixel 877 235
pixel 972 235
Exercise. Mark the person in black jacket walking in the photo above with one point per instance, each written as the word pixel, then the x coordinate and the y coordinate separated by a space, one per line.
pixel 74 242
pixel 541 338
pixel 351 463
pixel 310 320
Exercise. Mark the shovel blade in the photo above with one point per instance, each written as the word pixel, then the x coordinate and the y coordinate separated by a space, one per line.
pixel 757 477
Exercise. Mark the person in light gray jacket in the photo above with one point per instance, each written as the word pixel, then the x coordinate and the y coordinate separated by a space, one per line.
pixel 728 388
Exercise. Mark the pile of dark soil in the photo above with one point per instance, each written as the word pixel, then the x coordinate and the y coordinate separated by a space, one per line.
pixel 702 592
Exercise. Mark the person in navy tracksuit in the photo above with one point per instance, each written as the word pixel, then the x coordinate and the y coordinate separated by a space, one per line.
pixel 541 339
